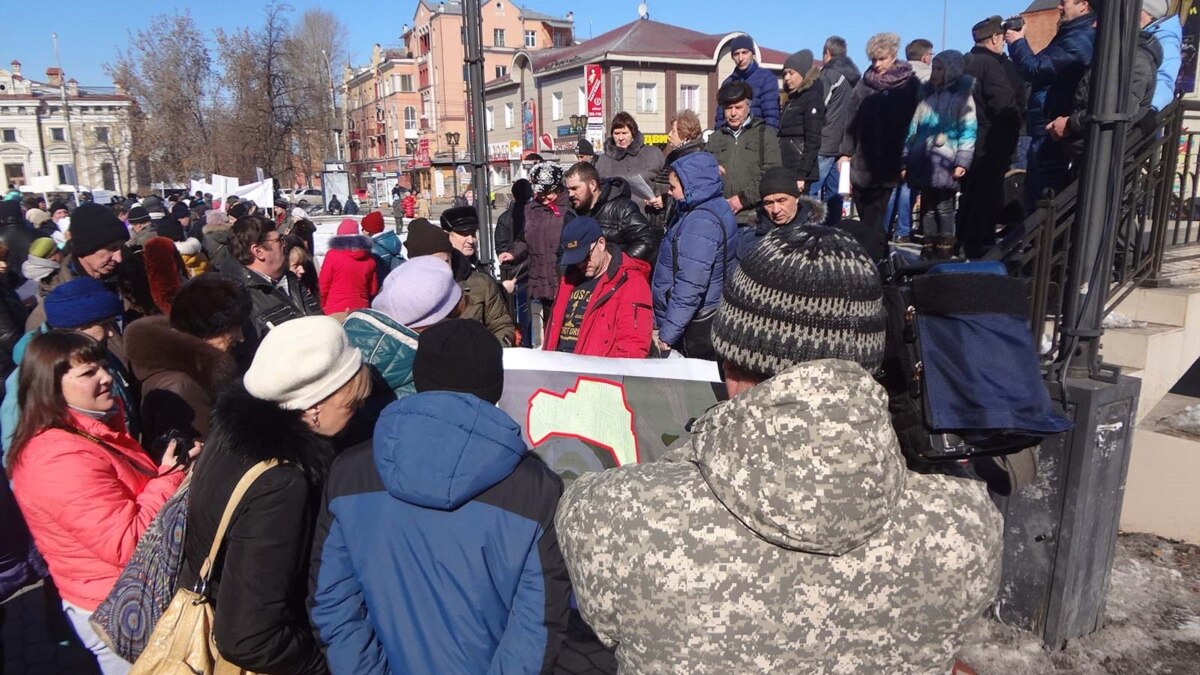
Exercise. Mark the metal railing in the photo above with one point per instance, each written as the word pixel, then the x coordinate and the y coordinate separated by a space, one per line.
pixel 1159 210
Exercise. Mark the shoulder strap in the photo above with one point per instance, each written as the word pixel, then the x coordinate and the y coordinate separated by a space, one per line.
pixel 113 451
pixel 239 491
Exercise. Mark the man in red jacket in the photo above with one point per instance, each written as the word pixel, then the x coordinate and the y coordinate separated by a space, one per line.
pixel 603 306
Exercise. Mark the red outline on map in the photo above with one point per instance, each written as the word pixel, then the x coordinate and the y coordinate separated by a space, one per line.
pixel 637 451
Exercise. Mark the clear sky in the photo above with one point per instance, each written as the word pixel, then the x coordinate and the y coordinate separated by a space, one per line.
pixel 89 32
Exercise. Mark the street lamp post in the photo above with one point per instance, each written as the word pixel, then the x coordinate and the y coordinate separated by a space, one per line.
pixel 579 124
pixel 452 138
pixel 337 147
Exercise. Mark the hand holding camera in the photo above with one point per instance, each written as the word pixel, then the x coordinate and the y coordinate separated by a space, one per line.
pixel 177 449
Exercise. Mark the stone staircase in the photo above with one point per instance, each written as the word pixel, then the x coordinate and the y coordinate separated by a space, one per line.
pixel 1160 491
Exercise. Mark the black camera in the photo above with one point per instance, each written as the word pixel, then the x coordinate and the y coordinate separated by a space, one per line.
pixel 183 444
pixel 1013 23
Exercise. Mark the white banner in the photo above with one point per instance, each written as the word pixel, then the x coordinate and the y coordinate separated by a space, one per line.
pixel 223 186
pixel 201 187
pixel 261 193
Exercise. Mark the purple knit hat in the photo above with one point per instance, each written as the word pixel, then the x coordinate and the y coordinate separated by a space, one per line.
pixel 419 293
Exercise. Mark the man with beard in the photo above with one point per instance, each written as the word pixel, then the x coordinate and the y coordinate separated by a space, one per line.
pixel 610 203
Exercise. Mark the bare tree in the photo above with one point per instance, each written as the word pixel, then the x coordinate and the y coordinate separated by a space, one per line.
pixel 167 71
pixel 317 42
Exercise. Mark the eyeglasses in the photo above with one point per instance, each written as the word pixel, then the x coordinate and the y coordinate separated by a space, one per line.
pixel 265 242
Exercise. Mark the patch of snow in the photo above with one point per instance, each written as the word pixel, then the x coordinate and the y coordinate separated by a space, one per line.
pixel 1119 320
pixel 1185 421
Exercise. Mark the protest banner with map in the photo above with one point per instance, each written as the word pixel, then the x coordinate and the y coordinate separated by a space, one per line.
pixel 584 413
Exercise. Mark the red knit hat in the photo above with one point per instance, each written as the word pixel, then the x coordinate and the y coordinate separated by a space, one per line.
pixel 349 226
pixel 372 223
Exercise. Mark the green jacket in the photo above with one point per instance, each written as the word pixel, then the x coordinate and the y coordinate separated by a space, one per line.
pixel 744 158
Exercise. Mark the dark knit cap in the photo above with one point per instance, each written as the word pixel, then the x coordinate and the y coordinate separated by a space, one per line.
pixel 94 227
pixel 806 293
pixel 778 180
pixel 734 92
pixel 522 190
pixel 180 210
pixel 584 148
pixel 57 205
pixel 79 302
pixel 460 219
pixel 801 61
pixel 171 229
pixel 742 41
pixel 987 28
pixel 460 355
pixel 138 215
pixel 425 238
pixel 210 305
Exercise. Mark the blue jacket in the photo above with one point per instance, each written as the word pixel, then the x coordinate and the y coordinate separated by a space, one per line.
pixel 765 104
pixel 1054 72
pixel 387 251
pixel 436 550
pixel 386 345
pixel 698 250
pixel 1169 34
pixel 10 411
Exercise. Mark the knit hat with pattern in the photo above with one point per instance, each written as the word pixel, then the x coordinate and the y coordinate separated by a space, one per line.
pixel 806 293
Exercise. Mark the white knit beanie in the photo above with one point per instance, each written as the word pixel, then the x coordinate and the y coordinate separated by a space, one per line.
pixel 302 362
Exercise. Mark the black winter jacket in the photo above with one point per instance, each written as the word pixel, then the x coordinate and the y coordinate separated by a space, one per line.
pixel 270 306
pixel 877 129
pixel 622 221
pixel 259 583
pixel 839 77
pixel 800 125
pixel 510 227
pixel 1147 58
pixel 12 327
pixel 999 107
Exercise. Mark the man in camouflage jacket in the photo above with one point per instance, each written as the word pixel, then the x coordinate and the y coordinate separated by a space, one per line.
pixel 786 535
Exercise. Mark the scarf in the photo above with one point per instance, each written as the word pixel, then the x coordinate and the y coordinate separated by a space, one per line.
pixel 892 78
pixel 38 268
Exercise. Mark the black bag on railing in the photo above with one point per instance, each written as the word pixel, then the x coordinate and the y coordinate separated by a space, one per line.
pixel 960 365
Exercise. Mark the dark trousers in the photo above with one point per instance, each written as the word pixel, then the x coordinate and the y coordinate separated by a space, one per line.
pixel 937 211
pixel 872 203
pixel 979 208
pixel 1049 168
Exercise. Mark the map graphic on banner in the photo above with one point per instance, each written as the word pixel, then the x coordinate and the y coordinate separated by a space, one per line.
pixel 583 414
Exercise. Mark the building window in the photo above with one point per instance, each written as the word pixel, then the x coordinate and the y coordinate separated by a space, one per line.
pixel 102 134
pixel 64 173
pixel 395 83
pixel 509 115
pixel 57 134
pixel 501 71
pixel 498 37
pixel 581 102
pixel 558 39
pixel 9 135
pixel 689 97
pixel 490 115
pixel 107 177
pixel 406 83
pixel 647 97
pixel 531 38
pixel 556 106
pixel 410 118
pixel 14 174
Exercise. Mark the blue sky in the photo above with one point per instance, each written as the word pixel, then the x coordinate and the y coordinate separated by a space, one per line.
pixel 89 32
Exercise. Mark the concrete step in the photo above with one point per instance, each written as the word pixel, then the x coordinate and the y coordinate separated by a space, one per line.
pixel 1160 490
pixel 1136 347
pixel 1169 306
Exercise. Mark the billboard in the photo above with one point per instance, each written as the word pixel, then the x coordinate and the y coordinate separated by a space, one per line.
pixel 594 81
pixel 582 413
pixel 421 159
pixel 529 125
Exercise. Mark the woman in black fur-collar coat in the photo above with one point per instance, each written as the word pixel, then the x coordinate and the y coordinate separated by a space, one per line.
pixel 304 385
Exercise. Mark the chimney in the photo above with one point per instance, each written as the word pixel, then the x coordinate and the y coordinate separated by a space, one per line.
pixel 570 16
pixel 16 67
pixel 72 87
pixel 54 76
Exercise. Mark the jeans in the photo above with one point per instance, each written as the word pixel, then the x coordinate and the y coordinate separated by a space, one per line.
pixel 110 663
pixel 1048 168
pixel 524 319
pixel 937 211
pixel 826 188
pixel 904 222
pixel 872 204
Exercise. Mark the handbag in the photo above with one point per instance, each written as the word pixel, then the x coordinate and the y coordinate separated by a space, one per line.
pixel 182 643
pixel 144 588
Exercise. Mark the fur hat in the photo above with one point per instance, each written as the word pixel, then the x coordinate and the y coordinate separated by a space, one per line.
pixel 734 92
pixel 162 271
pixel 36 216
pixel 545 176
pixel 806 293
pixel 210 305
pixel 302 362
pixel 993 25
pixel 460 219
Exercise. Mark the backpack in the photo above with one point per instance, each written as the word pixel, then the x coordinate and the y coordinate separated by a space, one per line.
pixel 960 366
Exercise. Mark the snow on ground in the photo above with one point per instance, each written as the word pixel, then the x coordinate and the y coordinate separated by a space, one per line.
pixel 1152 622
pixel 1185 421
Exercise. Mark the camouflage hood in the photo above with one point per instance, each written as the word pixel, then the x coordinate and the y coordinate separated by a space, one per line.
pixel 807 460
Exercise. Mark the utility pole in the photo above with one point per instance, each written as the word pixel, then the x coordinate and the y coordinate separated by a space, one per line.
pixel 62 90
pixel 478 140
pixel 337 147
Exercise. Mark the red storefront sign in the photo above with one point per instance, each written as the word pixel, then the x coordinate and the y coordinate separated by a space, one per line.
pixel 595 91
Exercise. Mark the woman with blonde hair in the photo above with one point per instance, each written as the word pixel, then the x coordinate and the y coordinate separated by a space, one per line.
pixel 304 385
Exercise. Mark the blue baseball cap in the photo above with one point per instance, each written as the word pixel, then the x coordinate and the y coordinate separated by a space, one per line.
pixel 577 239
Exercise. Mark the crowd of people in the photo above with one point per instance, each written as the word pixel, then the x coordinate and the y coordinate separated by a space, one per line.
pixel 156 347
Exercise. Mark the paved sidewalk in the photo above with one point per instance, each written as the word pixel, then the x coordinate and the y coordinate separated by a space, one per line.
pixel 31 644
